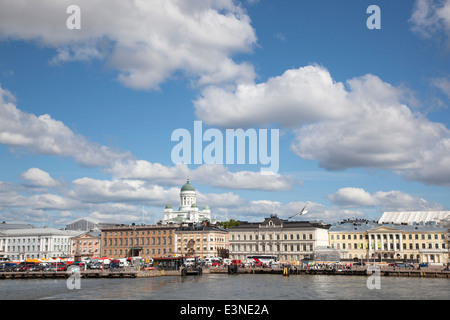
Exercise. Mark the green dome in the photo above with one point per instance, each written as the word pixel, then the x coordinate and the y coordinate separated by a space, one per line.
pixel 168 206
pixel 188 186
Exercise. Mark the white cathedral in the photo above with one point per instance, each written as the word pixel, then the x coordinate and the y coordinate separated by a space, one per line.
pixel 188 211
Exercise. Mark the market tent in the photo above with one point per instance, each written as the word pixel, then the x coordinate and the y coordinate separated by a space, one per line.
pixel 34 260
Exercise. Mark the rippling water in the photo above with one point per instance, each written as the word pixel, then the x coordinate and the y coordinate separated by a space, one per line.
pixel 225 287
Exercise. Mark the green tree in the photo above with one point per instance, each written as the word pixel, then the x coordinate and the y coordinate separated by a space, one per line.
pixel 228 224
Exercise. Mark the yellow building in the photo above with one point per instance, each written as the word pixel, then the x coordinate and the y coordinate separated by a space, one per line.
pixel 203 240
pixel 369 241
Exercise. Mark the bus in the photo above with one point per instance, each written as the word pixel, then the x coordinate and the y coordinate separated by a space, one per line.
pixel 260 260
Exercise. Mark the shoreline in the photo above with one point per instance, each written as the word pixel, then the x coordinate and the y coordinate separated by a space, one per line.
pixel 359 271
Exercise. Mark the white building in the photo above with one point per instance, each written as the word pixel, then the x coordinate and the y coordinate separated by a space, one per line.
pixel 35 243
pixel 188 211
pixel 287 241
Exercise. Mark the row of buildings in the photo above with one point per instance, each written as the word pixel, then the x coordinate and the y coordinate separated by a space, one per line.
pixel 401 236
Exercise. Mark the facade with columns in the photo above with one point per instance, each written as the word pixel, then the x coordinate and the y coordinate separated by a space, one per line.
pixel 188 211
pixel 36 243
pixel 369 241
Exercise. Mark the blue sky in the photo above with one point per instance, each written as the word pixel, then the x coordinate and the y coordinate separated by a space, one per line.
pixel 87 115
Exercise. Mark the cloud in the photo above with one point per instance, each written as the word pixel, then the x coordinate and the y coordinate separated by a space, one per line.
pixel 443 84
pixel 353 197
pixel 148 42
pixel 215 175
pixel 383 133
pixel 220 176
pixel 47 136
pixel 39 178
pixel 257 210
pixel 296 97
pixel 364 122
pixel 133 191
pixel 387 201
pixel 431 17
pixel 148 171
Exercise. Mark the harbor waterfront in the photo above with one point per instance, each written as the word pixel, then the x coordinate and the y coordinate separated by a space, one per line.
pixel 384 270
pixel 213 286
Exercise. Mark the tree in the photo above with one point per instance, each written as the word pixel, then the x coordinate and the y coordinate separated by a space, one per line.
pixel 228 224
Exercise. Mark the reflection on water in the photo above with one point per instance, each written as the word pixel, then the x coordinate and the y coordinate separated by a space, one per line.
pixel 223 287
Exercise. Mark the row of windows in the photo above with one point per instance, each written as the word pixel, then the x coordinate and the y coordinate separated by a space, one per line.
pixel 197 248
pixel 148 251
pixel 36 248
pixel 389 246
pixel 81 242
pixel 272 248
pixel 291 236
pixel 205 239
pixel 31 240
pixel 391 236
pixel 85 250
pixel 148 232
pixel 143 241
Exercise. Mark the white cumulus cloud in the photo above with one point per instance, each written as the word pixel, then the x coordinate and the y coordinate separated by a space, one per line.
pixel 394 200
pixel 215 175
pixel 364 122
pixel 39 178
pixel 45 135
pixel 146 41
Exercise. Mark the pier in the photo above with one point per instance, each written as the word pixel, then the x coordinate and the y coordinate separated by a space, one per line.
pixel 134 273
pixel 65 274
pixel 387 272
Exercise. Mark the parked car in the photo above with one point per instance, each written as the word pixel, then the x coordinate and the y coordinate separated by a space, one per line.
pixel 50 267
pixel 26 267
pixel 61 267
pixel 36 267
pixel 96 265
pixel 9 266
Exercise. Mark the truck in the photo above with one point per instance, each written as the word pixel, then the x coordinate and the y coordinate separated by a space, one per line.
pixel 123 262
pixel 213 261
pixel 236 262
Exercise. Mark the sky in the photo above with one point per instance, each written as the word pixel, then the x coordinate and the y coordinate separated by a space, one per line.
pixel 93 92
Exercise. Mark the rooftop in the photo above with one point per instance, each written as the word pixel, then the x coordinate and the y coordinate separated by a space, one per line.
pixel 276 222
